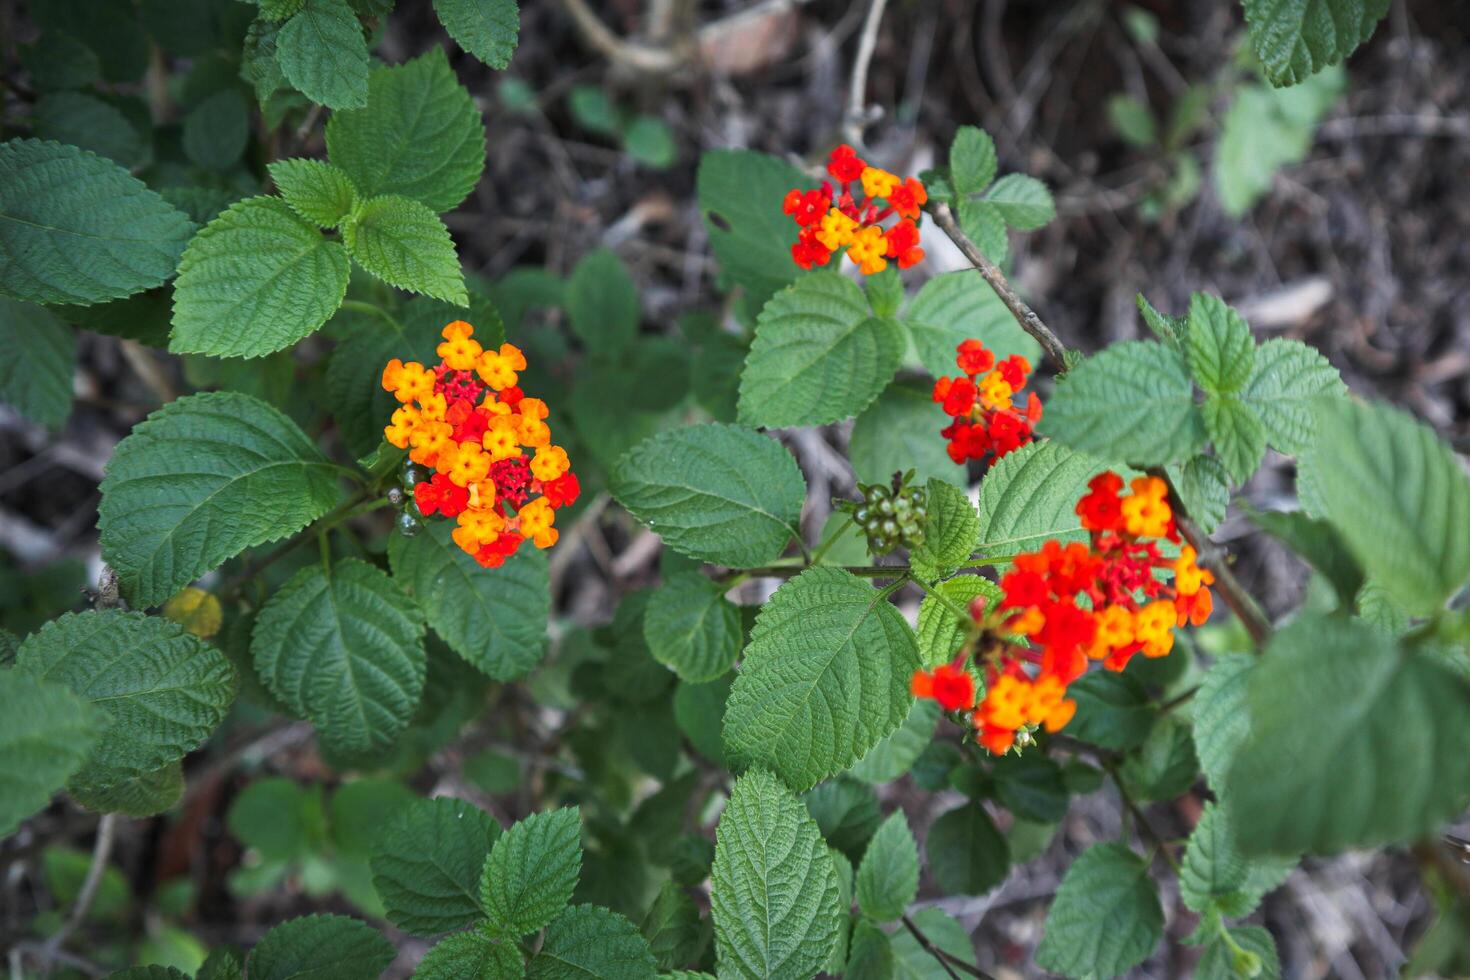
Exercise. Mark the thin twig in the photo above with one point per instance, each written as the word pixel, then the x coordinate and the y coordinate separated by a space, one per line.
pixel 101 850
pixel 946 959
pixel 1145 829
pixel 857 89
pixel 641 58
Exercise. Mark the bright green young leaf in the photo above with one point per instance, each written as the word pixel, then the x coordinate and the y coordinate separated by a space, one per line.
pixel 322 53
pixel 1023 202
pixel 344 648
pixel 986 226
pixel 717 493
pixel 1166 326
pixel 888 878
pixel 971 160
pixel 1106 917
pixel 1265 130
pixel 420 135
pixel 774 886
pixel 471 955
pixel 824 678
pixel 1031 496
pixel 602 303
pixel 1133 401
pixel 496 622
pixel 940 633
pixel 1220 962
pixel 967 854
pixel 87 122
pixel 217 130
pixel 404 243
pixel 38 355
pixel 321 947
pixel 1215 876
pixel 1398 496
pixel 1237 434
pixel 955 306
pixel 487 29
pixel 740 193
pixel 893 756
pixel 77 228
pixel 135 796
pixel 315 190
pixel 587 942
pixel 951 531
pixel 532 871
pixel 1353 742
pixel 1287 377
pixel 692 628
pixel 818 356
pixel 1221 721
pixel 900 432
pixel 1298 38
pixel 1219 345
pixel 46 732
pixel 427 864
pixel 912 961
pixel 254 281
pixel 278 817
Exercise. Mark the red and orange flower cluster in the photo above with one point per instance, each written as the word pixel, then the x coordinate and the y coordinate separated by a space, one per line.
pixel 1124 609
pixel 831 220
pixel 987 416
pixel 496 470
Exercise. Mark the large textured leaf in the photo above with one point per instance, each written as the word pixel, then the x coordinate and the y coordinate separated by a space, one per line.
pixel 818 356
pixel 888 878
pixel 1023 201
pixel 900 432
pixel 427 863
pixel 951 531
pixel 420 135
pixel 404 243
pixel 774 887
pixel 487 29
pixel 315 190
pixel 955 306
pixel 532 871
pixel 1297 38
pixel 967 854
pixel 591 943
pixel 320 947
pixel 893 756
pixel 740 194
pixel 1219 345
pixel 1399 498
pixel 494 619
pixel 1030 497
pixel 471 956
pixel 160 691
pixel 199 481
pixel 940 632
pixel 45 733
pixel 1353 742
pixel 322 53
pixel 1217 878
pixel 719 493
pixel 77 228
pixel 1221 722
pixel 38 354
pixel 1106 917
pixel 1133 401
pixel 1287 377
pixel 256 280
pixel 824 678
pixel 692 628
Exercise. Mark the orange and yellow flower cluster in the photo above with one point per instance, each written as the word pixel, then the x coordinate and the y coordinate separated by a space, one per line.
pixel 986 416
pixel 833 219
pixel 495 468
pixel 1039 638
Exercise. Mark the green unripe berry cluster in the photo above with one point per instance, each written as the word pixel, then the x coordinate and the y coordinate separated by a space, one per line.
pixel 891 516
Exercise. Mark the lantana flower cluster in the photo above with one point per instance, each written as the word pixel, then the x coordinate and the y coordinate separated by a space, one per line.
pixel 495 469
pixel 833 218
pixel 987 416
pixel 1067 605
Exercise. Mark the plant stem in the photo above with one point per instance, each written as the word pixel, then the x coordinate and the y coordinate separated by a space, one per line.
pixel 360 503
pixel 944 600
pixel 832 539
pixel 358 306
pixel 861 571
pixel 947 960
pixel 1145 828
pixel 101 850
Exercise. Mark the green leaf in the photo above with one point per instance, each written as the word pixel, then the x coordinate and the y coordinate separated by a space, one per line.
pixel 955 306
pixel 893 756
pixel 321 947
pixel 1030 497
pixel 774 887
pixel 846 812
pixel 1219 345
pixel 201 480
pixel 46 732
pixel 824 678
pixel 673 928
pixel 217 130
pixel 888 878
pixel 1287 377
pixel 885 292
pixel 532 871
pixel 76 228
pixel 255 280
pixel 278 817
pixel 1298 38
pixel 1132 120
pixel 494 619
pixel 322 53
pixel 1216 878
pixel 699 711
pixel 649 140
pixel 900 432
pixel 427 865
pixel 951 531
pixel 591 943
pixel 692 628
pixel 1237 433
pixel 1024 202
pixel 471 956
pixel 1221 722
pixel 404 243
pixel 1265 130
pixel 1165 765
pixel 344 648
pixel 487 29
pixel 1166 326
pixel 1220 962
pixel 1205 488
pixel 1399 498
pixel 971 160
pixel 315 190
pixel 940 633
pixel 87 122
pixel 912 961
pixel 1320 545
pixel 222 963
pixel 58 62
pixel 986 226
pixel 38 355
pixel 160 690
pixel 740 194
pixel 1113 711
pixel 717 493
pixel 1106 917
pixel 1133 401
pixel 135 796
pixel 818 356
pixel 420 135
pixel 602 303
pixel 967 854
pixel 1031 786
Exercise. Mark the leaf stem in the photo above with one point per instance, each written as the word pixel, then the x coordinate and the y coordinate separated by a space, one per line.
pixel 832 539
pixel 944 600
pixel 946 959
pixel 360 503
pixel 101 850
pixel 861 571
pixel 358 306
pixel 1145 828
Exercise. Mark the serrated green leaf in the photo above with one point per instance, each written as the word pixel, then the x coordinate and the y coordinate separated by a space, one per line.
pixel 888 878
pixel 871 956
pixel 77 228
pixel 259 66
pixel 87 122
pixel 1399 498
pixel 818 356
pixel 1204 487
pixel 967 854
pixel 692 628
pixel 940 633
pixel 1106 917
pixel 532 871
pixel 1352 742
pixel 602 303
pixel 217 130
pixel 1023 202
pixel 315 190
pixel 46 732
pixel 1320 545
pixel 900 432
pixel 893 756
pixel 951 531
pixel 427 865
pixel 471 956
pixel 1219 345
pixel 322 947
pixel 774 888
pixel 1237 434
pixel 279 818
pixel 718 493
pixel 912 961
pixel 885 292
pixel 1219 962
pixel 1287 377
pixel 740 194
pixel 971 160
pixel 38 356
pixel 344 648
pixel 674 931
pixel 254 281
pixel 1298 38
pixel 1133 401
pixel 1164 766
pixel 1221 722
pixel 590 943
pixel 404 243
pixel 222 963
pixel 986 226
pixel 487 29
pixel 955 306
pixel 1216 878
pixel 323 55
pixel 1113 710
pixel 134 796
pixel 1165 326
pixel 824 678
pixel 1030 497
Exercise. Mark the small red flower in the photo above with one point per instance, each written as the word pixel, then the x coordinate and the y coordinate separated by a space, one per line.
pixel 512 479
pixel 494 554
pixel 903 244
pixel 807 207
pixel 512 395
pixel 908 198
pixel 950 685
pixel 957 395
pixel 1102 508
pixel 442 495
pixel 974 358
pixel 809 250
pixel 845 165
pixel 562 491
pixel 1014 370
